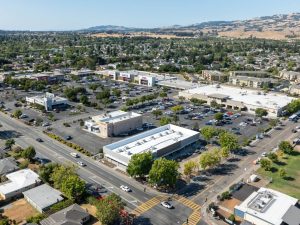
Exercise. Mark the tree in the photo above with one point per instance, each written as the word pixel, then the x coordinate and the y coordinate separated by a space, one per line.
pixel 214 104
pixel 84 100
pixel 17 113
pixel 46 171
pixel 266 164
pixel 164 172
pixel 259 112
pixel 157 113
pixel 93 87
pixel 282 172
pixel 140 164
pixel 189 168
pixel 229 141
pixel 29 153
pixel 209 159
pixel 73 187
pixel 177 108
pixel 273 157
pixel 273 122
pixel 293 106
pixel 163 94
pixel 164 121
pixel 59 174
pixel 9 143
pixel 286 147
pixel 225 153
pixel 108 209
pixel 219 116
pixel 208 132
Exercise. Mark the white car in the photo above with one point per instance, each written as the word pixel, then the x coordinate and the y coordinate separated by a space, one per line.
pixel 166 205
pixel 81 164
pixel 125 188
pixel 264 154
pixel 74 154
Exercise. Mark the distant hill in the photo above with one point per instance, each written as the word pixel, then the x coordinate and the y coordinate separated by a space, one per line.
pixel 269 27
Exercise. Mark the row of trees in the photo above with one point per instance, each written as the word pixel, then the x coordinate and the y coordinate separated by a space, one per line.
pixel 162 172
pixel 142 99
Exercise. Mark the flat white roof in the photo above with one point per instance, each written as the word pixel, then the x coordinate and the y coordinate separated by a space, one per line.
pixel 180 84
pixel 246 96
pixel 152 140
pixel 114 117
pixel 271 207
pixel 18 180
pixel 43 196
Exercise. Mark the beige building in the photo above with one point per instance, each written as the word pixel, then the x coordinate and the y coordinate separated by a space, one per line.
pixel 295 89
pixel 253 82
pixel 261 74
pixel 290 75
pixel 214 76
pixel 114 123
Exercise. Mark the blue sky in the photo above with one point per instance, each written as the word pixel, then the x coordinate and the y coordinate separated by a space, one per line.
pixel 76 14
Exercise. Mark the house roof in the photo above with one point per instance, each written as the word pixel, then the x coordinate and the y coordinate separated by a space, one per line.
pixel 72 215
pixel 43 196
pixel 8 165
pixel 18 180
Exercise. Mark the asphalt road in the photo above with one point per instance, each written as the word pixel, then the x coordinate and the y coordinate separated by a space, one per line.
pixel 96 172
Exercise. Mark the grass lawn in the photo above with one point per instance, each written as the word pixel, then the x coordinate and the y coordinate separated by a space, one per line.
pixel 289 185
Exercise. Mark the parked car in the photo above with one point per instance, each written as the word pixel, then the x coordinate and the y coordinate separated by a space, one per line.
pixel 39 140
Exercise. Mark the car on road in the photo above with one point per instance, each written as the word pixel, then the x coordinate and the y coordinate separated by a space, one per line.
pixel 74 154
pixel 264 154
pixel 23 116
pixel 68 138
pixel 39 140
pixel 81 163
pixel 125 188
pixel 167 205
pixel 45 124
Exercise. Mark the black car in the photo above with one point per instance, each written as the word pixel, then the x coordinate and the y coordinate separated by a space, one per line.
pixel 39 140
pixel 68 138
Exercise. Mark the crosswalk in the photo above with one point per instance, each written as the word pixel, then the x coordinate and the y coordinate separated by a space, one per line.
pixel 144 207
pixel 194 218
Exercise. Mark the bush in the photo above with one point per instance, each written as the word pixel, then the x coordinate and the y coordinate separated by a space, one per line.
pixel 225 195
pixel 61 205
pixel 24 164
pixel 231 218
pixel 36 219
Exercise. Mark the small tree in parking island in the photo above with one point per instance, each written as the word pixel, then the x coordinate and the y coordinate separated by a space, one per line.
pixel 259 112
pixel 208 133
pixel 140 164
pixel 177 108
pixel 219 116
pixel 286 147
pixel 157 113
pixel 164 172
pixel 164 121
pixel 189 168
pixel 210 159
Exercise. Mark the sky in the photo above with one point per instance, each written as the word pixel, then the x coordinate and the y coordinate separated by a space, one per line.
pixel 78 14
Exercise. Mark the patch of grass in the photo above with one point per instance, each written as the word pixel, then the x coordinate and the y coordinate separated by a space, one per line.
pixel 291 183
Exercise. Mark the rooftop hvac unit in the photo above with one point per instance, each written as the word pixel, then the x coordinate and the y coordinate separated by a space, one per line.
pixel 137 143
pixel 161 134
pixel 129 153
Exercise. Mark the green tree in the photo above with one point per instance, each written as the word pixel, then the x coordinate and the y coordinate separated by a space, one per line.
pixel 84 100
pixel 209 159
pixel 189 168
pixel 177 108
pixel 164 172
pixel 164 121
pixel 46 171
pixel 225 153
pixel 9 143
pixel 286 147
pixel 282 172
pixel 259 112
pixel 108 210
pixel 28 153
pixel 266 164
pixel 293 106
pixel 17 113
pixel 157 113
pixel 219 116
pixel 273 122
pixel 140 164
pixel 208 132
pixel 59 174
pixel 73 187
pixel 229 141
pixel 163 94
pixel 273 157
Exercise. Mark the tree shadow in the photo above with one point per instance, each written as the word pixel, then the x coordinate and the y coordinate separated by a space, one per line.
pixel 295 153
pixel 280 163
pixel 289 178
pixel 7 134
pixel 273 169
pixel 141 220
pixel 191 189
pixel 223 169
